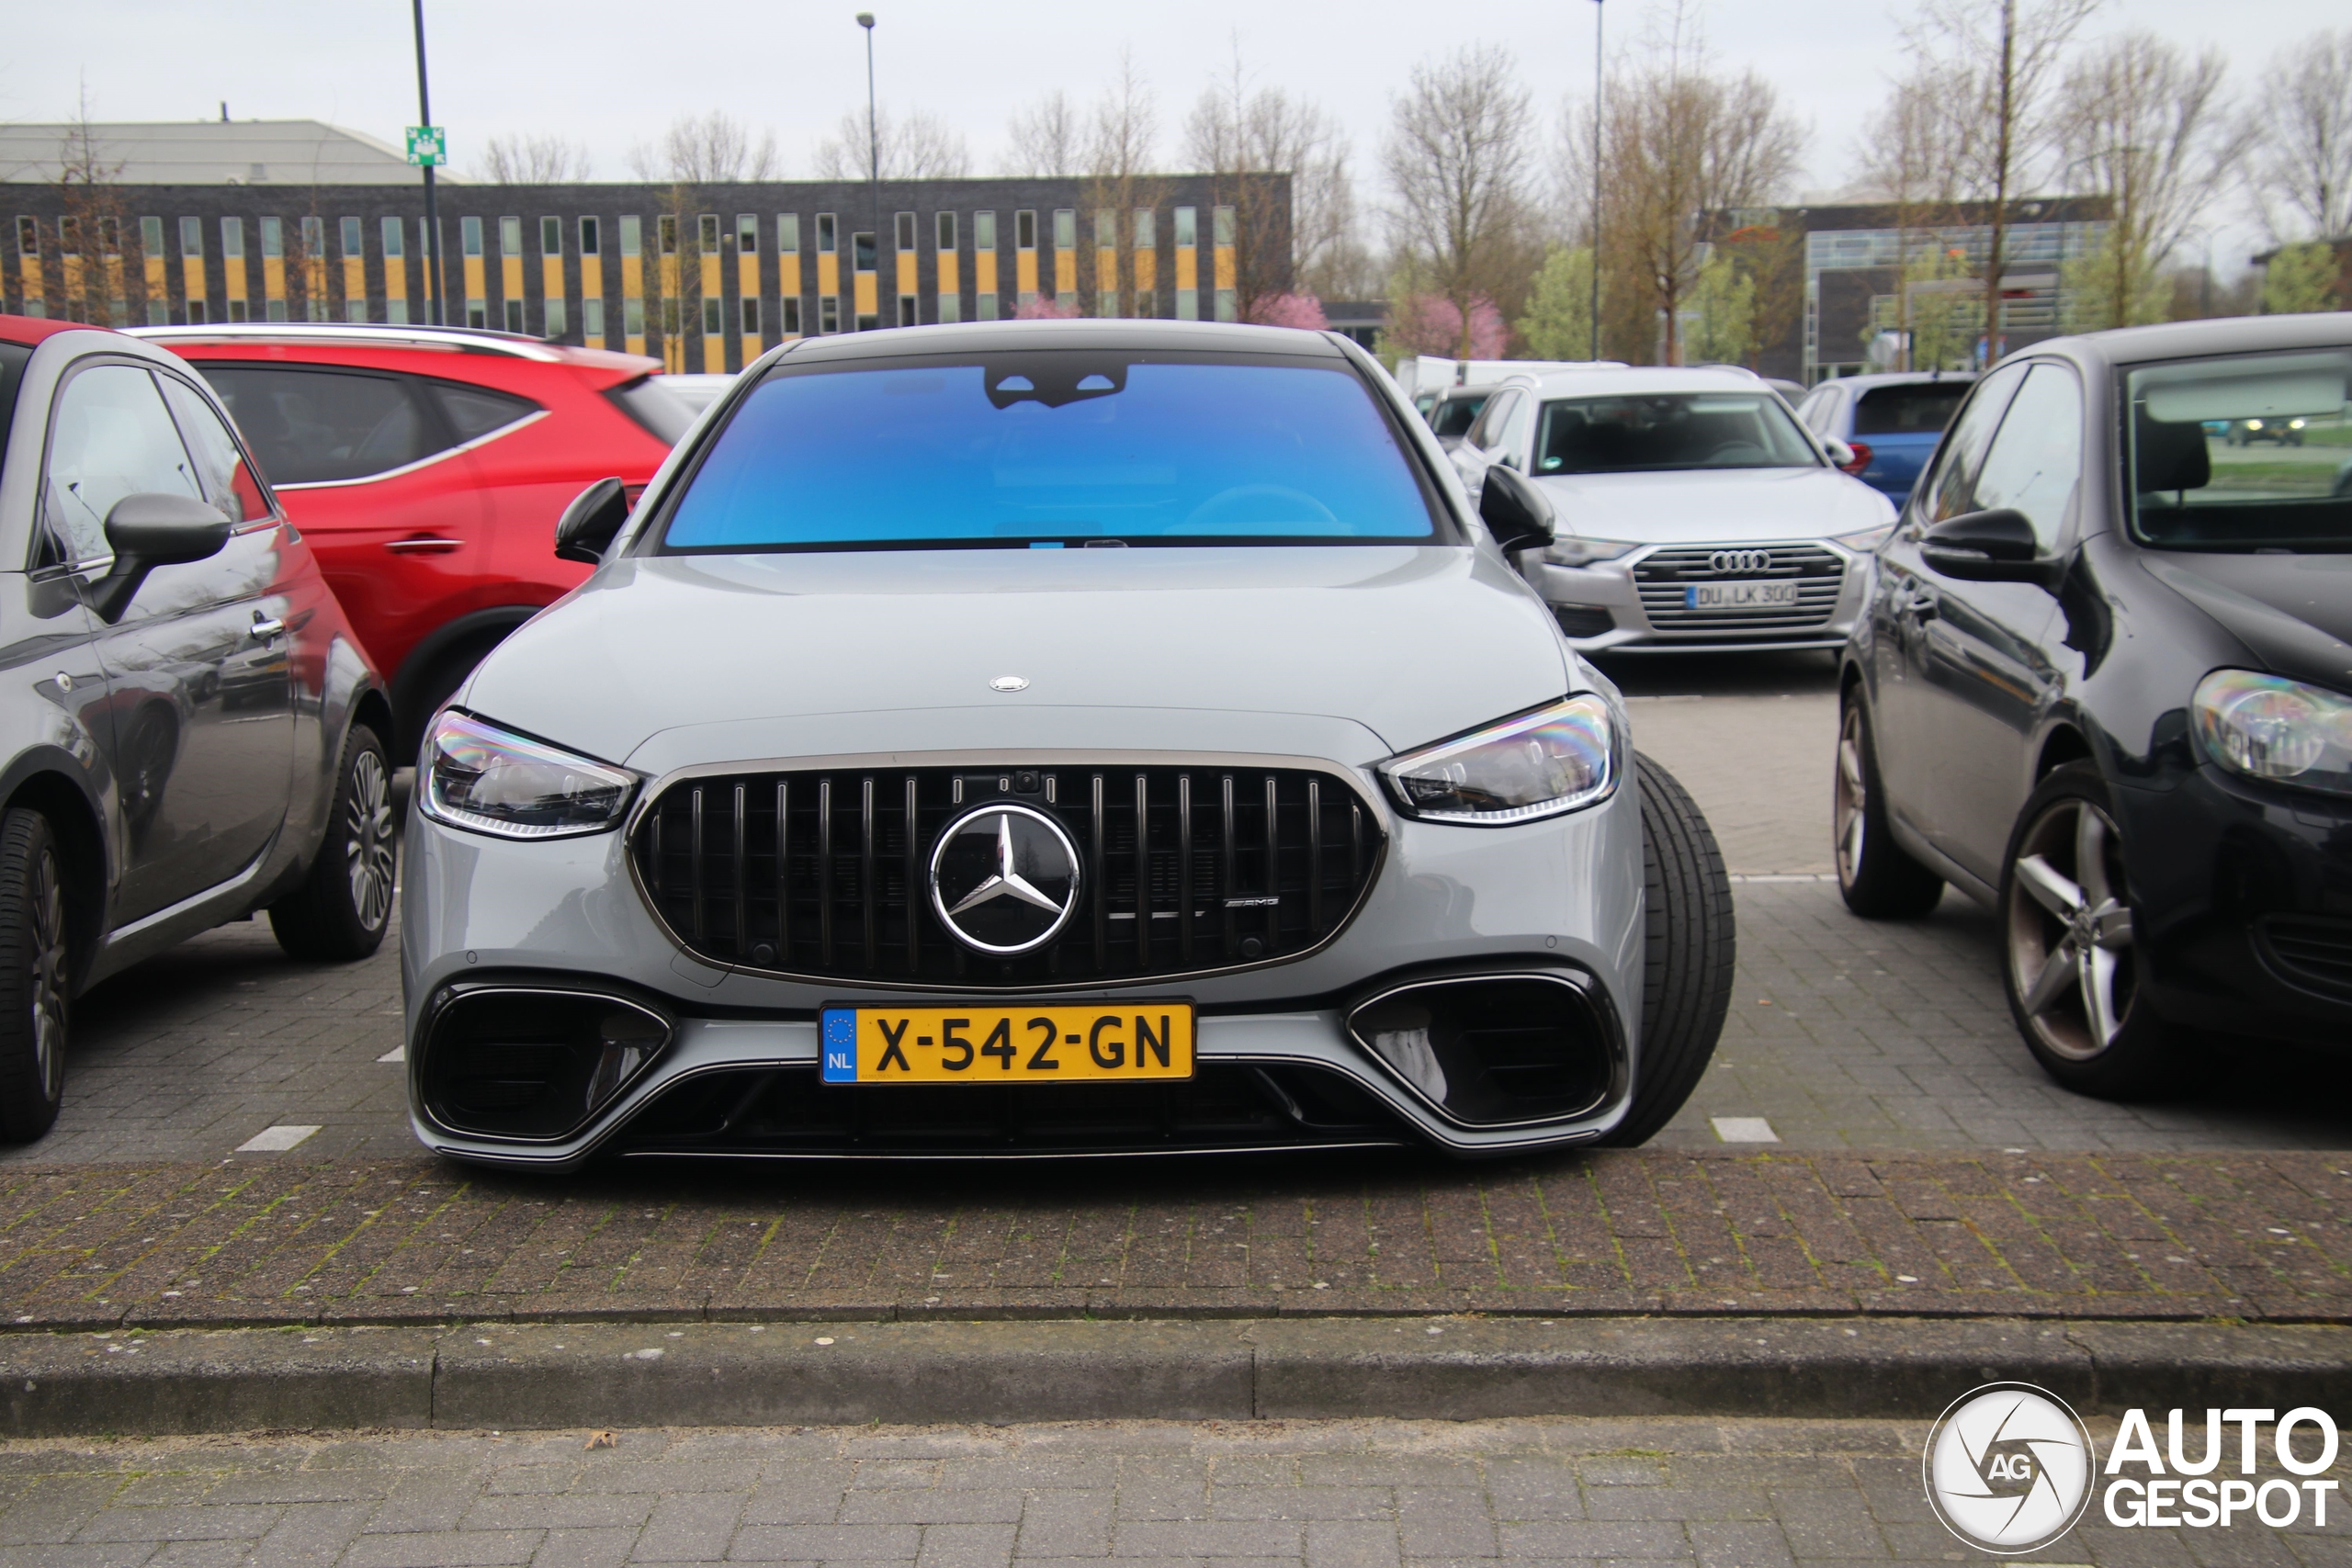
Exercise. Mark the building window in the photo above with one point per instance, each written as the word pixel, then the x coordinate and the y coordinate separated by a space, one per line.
pixel 150 236
pixel 69 236
pixel 355 310
pixel 747 234
pixel 476 313
pixel 829 313
pixel 277 310
pixel 632 237
pixel 791 303
pixel 395 240
pixel 395 312
pixel 945 224
pixel 314 238
pixel 592 237
pixel 669 316
pixel 469 237
pixel 667 228
pixel 591 316
pixel 751 317
pixel 711 324
pixel 554 313
pixel 1065 228
pixel 196 316
pixel 633 317
pixel 1024 231
pixel 788 234
pixel 191 236
pixel 1223 218
pixel 513 315
pixel 1188 304
pixel 983 231
pixel 862 244
pixel 510 236
pixel 350 236
pixel 1147 229
pixel 827 235
pixel 551 236
pixel 1187 232
pixel 951 308
pixel 707 233
pixel 1225 304
pixel 1107 229
pixel 984 306
pixel 237 311
pixel 906 310
pixel 273 239
pixel 232 238
pixel 903 231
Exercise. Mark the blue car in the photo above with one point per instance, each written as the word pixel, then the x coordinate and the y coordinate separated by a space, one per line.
pixel 1892 421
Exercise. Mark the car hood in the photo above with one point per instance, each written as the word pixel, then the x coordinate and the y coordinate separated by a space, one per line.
pixel 1413 643
pixel 2293 612
pixel 1716 505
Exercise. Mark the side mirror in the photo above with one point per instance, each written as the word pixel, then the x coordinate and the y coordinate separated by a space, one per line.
pixel 589 525
pixel 1989 546
pixel 1840 456
pixel 152 528
pixel 1514 510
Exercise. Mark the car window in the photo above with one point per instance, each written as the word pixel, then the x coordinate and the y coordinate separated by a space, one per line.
pixel 228 480
pixel 1487 432
pixel 1054 446
pixel 1921 409
pixel 1454 416
pixel 2244 451
pixel 109 437
pixel 475 412
pixel 1652 432
pixel 315 426
pixel 2036 460
pixel 1948 490
pixel 13 356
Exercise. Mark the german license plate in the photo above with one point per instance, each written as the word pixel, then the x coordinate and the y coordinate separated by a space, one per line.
pixel 1781 596
pixel 1054 1043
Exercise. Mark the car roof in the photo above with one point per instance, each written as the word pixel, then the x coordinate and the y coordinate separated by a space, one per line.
pixel 1899 378
pixel 2222 334
pixel 378 339
pixel 30 329
pixel 1144 336
pixel 1638 381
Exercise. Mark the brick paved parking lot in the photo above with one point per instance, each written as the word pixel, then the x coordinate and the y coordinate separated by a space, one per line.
pixel 1337 1495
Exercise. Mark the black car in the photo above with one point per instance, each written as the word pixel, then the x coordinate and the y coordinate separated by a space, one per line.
pixel 188 731
pixel 2104 684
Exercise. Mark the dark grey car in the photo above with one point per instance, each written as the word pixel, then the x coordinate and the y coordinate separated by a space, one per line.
pixel 188 730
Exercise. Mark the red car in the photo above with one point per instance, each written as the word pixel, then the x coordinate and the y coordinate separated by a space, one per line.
pixel 427 468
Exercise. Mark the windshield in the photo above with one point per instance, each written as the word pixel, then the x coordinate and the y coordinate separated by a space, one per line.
pixel 1456 415
pixel 1921 409
pixel 1649 431
pixel 2248 452
pixel 1050 447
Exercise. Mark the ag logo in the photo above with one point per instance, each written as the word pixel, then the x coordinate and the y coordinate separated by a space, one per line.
pixel 2009 1468
pixel 1004 879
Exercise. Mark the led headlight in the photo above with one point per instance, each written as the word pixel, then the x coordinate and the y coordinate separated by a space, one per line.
pixel 481 777
pixel 1559 757
pixel 1866 541
pixel 2268 727
pixel 1574 551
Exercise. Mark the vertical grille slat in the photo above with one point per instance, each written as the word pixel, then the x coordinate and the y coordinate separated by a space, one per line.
pixel 1186 855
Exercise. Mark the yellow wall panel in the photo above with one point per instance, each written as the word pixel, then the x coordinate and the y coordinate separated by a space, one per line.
pixel 1225 266
pixel 865 304
pixel 907 277
pixel 1025 271
pixel 1106 273
pixel 157 290
pixel 984 271
pixel 632 288
pixel 592 286
pixel 1147 272
pixel 950 280
pixel 829 272
pixel 1065 272
pixel 273 277
pixel 1188 267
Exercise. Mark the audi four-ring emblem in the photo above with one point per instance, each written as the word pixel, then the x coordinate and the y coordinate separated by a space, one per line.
pixel 1729 563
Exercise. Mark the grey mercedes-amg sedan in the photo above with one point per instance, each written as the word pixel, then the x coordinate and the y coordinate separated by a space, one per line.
pixel 1051 738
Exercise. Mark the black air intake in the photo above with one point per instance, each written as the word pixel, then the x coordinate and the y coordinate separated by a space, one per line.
pixel 529 1062
pixel 1493 1049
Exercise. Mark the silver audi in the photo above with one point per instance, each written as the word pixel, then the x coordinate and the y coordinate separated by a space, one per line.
pixel 1051 739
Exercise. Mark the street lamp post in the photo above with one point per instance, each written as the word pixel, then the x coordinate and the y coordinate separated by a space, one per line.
pixel 874 154
pixel 1597 13
pixel 431 209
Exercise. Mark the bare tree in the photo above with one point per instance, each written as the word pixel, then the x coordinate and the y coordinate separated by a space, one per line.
pixel 534 159
pixel 2301 139
pixel 1995 64
pixel 1910 156
pixel 1047 143
pixel 1234 134
pixel 1125 127
pixel 101 261
pixel 919 147
pixel 1457 159
pixel 712 149
pixel 2146 125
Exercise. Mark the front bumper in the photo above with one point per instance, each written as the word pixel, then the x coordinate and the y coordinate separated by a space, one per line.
pixel 1277 1065
pixel 2243 897
pixel 1627 606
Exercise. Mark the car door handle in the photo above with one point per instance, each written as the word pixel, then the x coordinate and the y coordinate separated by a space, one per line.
pixel 427 546
pixel 263 630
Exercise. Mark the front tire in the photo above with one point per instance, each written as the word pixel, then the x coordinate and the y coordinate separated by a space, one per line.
pixel 345 904
pixel 36 970
pixel 1877 878
pixel 1689 946
pixel 2070 963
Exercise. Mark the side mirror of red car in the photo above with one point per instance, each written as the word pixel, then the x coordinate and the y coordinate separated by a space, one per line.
pixel 591 523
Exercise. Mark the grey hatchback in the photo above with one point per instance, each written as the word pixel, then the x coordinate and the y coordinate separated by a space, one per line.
pixel 188 732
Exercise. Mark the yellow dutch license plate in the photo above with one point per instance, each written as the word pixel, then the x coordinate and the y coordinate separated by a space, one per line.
pixel 1055 1044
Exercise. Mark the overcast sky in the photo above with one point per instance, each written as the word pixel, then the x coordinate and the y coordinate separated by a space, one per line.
pixel 612 73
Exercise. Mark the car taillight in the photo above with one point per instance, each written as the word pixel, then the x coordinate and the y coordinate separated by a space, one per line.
pixel 1861 458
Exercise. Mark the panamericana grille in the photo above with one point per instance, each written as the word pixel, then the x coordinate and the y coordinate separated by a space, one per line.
pixel 1184 870
pixel 1661 579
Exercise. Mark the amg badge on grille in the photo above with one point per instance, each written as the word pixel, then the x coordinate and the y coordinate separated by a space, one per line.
pixel 1004 879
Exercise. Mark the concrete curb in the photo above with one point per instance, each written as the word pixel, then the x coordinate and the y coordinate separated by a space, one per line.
pixel 518 1377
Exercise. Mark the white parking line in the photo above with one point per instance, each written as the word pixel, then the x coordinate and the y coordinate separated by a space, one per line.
pixel 275 1140
pixel 397 1054
pixel 1744 1130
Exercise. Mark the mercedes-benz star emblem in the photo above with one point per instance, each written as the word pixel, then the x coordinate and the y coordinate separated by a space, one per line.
pixel 1004 879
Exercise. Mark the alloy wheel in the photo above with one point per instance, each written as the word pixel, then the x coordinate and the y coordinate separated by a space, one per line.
pixel 1851 796
pixel 368 839
pixel 48 977
pixel 2069 931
